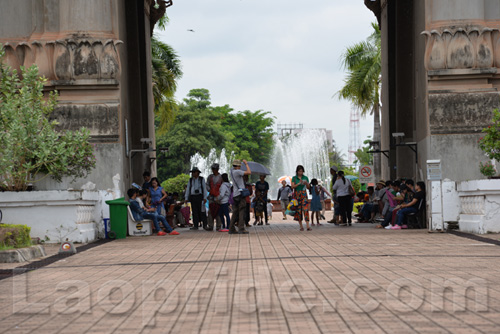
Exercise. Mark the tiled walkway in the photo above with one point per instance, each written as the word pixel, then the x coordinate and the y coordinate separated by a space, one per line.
pixel 275 280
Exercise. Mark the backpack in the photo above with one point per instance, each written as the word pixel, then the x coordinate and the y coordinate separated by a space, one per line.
pixel 190 185
pixel 214 188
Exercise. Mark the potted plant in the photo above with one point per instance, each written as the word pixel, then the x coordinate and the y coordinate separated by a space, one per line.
pixel 487 169
pixel 490 144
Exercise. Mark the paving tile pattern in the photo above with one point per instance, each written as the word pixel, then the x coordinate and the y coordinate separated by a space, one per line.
pixel 275 280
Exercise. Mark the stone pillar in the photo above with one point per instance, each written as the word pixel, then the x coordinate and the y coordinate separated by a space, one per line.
pixel 96 54
pixel 462 59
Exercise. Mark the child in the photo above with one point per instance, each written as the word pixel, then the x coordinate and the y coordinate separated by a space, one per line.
pixel 259 207
pixel 269 210
pixel 315 202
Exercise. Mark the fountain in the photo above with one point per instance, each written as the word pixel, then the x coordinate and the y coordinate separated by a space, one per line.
pixel 309 148
pixel 204 163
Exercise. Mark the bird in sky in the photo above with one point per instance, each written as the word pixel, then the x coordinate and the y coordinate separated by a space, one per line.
pixel 190 30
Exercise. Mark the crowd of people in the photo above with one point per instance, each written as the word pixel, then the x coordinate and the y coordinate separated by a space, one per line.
pixel 210 201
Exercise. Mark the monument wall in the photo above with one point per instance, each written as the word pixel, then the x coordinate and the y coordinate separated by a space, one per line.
pixel 440 82
pixel 96 54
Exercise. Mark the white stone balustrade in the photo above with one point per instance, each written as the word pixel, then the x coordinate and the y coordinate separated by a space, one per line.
pixel 55 215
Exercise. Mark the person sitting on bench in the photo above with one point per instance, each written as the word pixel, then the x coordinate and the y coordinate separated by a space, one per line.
pixel 140 212
pixel 411 207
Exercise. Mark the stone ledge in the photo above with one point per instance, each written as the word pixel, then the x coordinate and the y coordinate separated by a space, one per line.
pixel 22 254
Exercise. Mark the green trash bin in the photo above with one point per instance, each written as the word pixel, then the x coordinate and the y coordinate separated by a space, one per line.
pixel 119 218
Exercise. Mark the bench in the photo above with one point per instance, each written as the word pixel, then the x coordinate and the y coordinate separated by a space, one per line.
pixel 139 228
pixel 417 220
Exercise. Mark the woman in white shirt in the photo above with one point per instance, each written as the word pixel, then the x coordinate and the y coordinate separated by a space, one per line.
pixel 223 200
pixel 344 198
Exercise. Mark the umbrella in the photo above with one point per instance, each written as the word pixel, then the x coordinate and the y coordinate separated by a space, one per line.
pixel 286 178
pixel 256 168
pixel 351 177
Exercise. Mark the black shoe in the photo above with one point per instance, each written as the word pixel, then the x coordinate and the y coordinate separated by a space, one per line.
pixel 323 217
pixel 194 228
pixel 261 223
pixel 232 232
pixel 267 223
pixel 243 232
pixel 255 223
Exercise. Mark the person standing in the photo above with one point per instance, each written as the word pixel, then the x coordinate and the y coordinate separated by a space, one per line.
pixel 335 202
pixel 269 209
pixel 342 188
pixel 248 200
pixel 284 194
pixel 147 180
pixel 263 187
pixel 214 182
pixel 158 195
pixel 196 194
pixel 240 203
pixel 322 197
pixel 300 183
pixel 223 200
pixel 315 201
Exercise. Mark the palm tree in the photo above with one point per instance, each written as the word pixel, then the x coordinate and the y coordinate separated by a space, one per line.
pixel 166 71
pixel 362 84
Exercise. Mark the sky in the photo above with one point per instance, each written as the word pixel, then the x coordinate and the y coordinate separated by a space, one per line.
pixel 281 56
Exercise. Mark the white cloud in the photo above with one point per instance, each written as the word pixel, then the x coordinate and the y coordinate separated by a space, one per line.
pixel 276 55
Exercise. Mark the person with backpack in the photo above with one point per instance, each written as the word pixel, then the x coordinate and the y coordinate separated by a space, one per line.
pixel 214 182
pixel 259 207
pixel 196 194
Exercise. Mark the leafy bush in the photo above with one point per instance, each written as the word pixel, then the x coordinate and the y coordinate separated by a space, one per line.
pixel 487 169
pixel 16 236
pixel 30 145
pixel 490 143
pixel 176 184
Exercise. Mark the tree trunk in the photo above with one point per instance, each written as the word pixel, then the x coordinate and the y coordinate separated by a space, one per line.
pixel 377 157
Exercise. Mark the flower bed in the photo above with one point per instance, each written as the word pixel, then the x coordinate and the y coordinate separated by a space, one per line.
pixel 14 236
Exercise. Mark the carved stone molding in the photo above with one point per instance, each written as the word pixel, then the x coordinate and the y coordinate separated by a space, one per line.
pixel 472 205
pixel 157 9
pixel 376 7
pixel 67 59
pixel 460 48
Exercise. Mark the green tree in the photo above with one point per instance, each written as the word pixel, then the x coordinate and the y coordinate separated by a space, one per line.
pixel 335 156
pixel 251 133
pixel 199 127
pixel 176 184
pixel 362 155
pixel 30 145
pixel 196 129
pixel 166 70
pixel 363 64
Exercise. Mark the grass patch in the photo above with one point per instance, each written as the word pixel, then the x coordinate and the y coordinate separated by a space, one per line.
pixel 14 236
